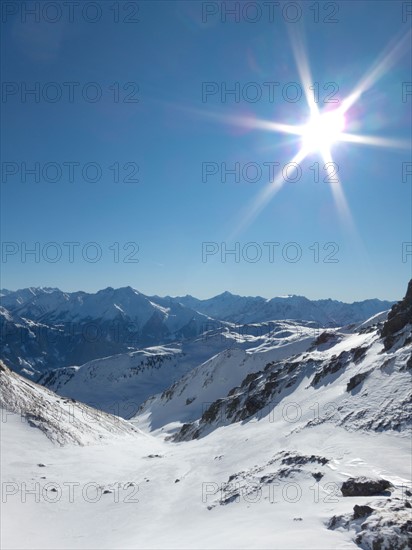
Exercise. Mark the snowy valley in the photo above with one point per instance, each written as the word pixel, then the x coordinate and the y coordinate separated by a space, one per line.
pixel 277 433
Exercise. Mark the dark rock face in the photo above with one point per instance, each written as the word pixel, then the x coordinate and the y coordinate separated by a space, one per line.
pixel 361 511
pixel 358 353
pixel 324 338
pixel 333 366
pixel 294 458
pixel 252 406
pixel 364 487
pixel 356 380
pixel 338 363
pixel 398 317
pixel 212 412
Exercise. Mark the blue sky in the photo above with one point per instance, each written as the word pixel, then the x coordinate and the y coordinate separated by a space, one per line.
pixel 164 139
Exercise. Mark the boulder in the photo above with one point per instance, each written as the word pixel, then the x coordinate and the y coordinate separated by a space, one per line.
pixel 364 487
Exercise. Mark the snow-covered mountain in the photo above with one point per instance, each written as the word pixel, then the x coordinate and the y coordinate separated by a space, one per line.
pixel 370 364
pixel 121 383
pixel 44 328
pixel 28 346
pixel 188 397
pixel 242 309
pixel 108 305
pixel 372 387
pixel 281 439
pixel 73 328
pixel 11 299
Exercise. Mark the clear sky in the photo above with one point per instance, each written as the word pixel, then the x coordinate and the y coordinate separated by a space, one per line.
pixel 161 190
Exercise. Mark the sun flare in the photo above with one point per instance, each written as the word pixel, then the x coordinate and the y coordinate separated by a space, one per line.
pixel 323 130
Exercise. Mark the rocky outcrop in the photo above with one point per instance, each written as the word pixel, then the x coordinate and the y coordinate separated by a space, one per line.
pixel 398 317
pixel 279 470
pixel 356 380
pixel 364 487
pixel 253 397
pixel 385 526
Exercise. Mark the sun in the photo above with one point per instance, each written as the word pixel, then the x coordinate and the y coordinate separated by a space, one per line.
pixel 322 130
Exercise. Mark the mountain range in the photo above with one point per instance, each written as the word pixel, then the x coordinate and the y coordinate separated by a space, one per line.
pixel 277 434
pixel 44 328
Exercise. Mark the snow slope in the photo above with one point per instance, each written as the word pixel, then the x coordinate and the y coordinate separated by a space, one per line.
pixel 149 493
pixel 62 420
pixel 263 472
pixel 119 384
pixel 368 387
pixel 189 397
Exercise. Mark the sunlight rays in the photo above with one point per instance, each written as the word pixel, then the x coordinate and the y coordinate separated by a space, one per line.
pixel 378 70
pixel 375 141
pixel 303 67
pixel 320 133
pixel 264 197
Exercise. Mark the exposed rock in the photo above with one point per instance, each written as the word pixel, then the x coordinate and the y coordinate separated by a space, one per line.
pixel 358 353
pixel 361 511
pixel 364 487
pixel 338 521
pixel 387 526
pixel 211 413
pixel 324 338
pixel 295 458
pixel 356 380
pixel 332 367
pixel 398 317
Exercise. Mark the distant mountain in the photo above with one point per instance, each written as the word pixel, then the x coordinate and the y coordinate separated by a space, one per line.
pixel 11 299
pixel 242 309
pixel 110 304
pixel 45 328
